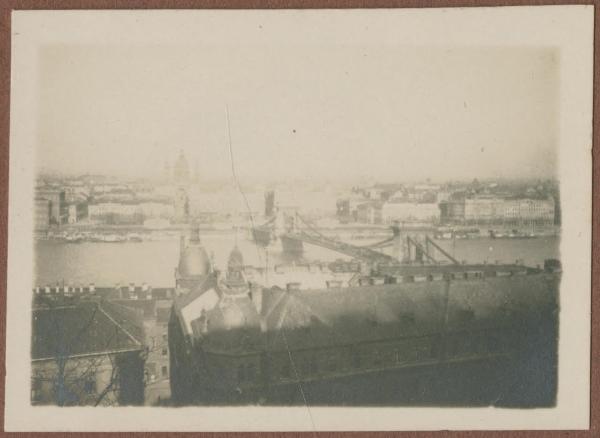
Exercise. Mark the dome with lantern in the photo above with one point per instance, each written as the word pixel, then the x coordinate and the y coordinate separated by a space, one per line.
pixel 194 262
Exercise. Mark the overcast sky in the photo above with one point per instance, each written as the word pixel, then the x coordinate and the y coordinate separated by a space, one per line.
pixel 317 111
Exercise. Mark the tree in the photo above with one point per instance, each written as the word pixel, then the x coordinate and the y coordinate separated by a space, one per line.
pixel 83 370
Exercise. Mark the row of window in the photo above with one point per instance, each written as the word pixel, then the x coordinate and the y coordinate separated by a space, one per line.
pixel 44 390
pixel 390 355
pixel 380 356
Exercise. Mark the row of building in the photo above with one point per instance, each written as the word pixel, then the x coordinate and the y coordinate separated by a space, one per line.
pixel 468 211
pixel 55 207
pixel 486 203
pixel 511 211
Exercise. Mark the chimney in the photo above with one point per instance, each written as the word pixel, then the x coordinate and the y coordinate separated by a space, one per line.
pixel 92 287
pixel 47 289
pixel 131 287
pixel 145 287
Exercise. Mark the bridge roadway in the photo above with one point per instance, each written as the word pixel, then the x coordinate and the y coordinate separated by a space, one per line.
pixel 361 253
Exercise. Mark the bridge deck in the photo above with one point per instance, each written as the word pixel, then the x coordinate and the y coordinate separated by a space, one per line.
pixel 357 252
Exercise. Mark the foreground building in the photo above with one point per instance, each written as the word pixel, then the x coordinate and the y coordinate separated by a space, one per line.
pixel 453 334
pixel 85 352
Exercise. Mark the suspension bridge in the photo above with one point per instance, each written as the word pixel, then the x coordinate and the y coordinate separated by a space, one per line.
pixel 293 230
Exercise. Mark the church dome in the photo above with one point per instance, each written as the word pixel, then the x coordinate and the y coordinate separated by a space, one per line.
pixel 193 260
pixel 181 170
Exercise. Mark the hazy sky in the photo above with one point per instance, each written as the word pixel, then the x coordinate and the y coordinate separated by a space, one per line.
pixel 316 111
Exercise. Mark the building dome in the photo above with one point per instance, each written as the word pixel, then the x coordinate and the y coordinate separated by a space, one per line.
pixel 194 262
pixel 193 259
pixel 181 171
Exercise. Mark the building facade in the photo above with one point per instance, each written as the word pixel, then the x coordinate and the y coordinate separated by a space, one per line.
pixel 58 208
pixel 42 214
pixel 490 210
pixel 85 352
pixel 410 212
pixel 129 212
pixel 369 213
pixel 239 343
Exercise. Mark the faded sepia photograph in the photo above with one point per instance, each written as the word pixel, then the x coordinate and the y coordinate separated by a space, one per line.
pixel 299 214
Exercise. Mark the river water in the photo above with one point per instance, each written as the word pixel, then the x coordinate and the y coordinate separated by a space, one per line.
pixel 153 262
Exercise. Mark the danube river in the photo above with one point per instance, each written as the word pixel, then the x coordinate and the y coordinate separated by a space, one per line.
pixel 154 262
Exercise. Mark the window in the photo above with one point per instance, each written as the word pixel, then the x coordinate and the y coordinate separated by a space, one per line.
pixel 250 371
pixel 164 371
pixel 401 356
pixel 423 351
pixel 305 367
pixel 466 315
pixel 89 386
pixel 356 359
pixel 377 359
pixel 407 317
pixel 494 344
pixel 165 351
pixel 246 372
pixel 453 347
pixel 331 363
pixel 36 388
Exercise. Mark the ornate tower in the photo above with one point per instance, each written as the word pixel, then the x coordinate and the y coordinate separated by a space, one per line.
pixel 194 264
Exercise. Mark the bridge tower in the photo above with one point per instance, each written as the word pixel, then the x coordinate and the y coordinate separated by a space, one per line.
pixel 399 252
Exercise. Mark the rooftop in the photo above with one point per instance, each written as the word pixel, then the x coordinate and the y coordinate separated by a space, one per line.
pixel 313 318
pixel 80 328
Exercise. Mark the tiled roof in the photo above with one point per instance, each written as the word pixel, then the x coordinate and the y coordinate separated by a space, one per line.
pixel 84 328
pixel 319 318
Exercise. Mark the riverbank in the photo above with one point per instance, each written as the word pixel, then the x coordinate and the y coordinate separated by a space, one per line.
pixel 108 233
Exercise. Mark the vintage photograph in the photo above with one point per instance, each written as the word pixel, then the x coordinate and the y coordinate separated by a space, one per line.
pixel 295 216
